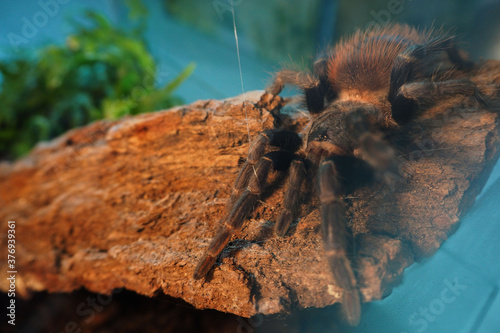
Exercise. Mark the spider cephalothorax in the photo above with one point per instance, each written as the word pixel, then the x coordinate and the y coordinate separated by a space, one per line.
pixel 368 87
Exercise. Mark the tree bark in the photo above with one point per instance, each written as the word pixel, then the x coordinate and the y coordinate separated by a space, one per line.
pixel 134 203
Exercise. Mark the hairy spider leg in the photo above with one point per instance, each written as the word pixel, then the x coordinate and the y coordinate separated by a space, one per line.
pixel 237 216
pixel 335 238
pixel 403 69
pixel 371 145
pixel 292 77
pixel 283 139
pixel 428 91
pixel 325 91
pixel 252 180
pixel 314 87
pixel 291 203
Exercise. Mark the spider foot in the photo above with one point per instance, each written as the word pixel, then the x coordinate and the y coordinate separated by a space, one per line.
pixel 203 266
pixel 343 274
pixel 270 102
pixel 351 307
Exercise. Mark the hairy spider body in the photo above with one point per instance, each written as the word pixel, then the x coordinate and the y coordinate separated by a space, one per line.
pixel 367 87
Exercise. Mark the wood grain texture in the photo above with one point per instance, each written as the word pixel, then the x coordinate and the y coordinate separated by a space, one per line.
pixel 134 203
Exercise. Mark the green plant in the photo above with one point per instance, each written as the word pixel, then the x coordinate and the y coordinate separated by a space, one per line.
pixel 101 72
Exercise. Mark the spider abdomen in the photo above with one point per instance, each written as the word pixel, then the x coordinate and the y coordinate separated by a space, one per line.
pixel 363 62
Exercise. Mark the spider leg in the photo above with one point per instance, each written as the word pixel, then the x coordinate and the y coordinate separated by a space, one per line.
pixel 295 78
pixel 292 196
pixel 320 69
pixel 429 91
pixel 277 160
pixel 283 139
pixel 335 238
pixel 315 86
pixel 248 186
pixel 371 144
pixel 403 70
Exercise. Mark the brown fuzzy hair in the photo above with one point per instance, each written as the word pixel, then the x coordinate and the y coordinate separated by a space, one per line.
pixel 364 61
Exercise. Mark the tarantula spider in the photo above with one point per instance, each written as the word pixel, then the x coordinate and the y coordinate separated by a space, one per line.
pixel 368 87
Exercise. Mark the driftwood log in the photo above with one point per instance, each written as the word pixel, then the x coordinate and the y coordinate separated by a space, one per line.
pixel 133 203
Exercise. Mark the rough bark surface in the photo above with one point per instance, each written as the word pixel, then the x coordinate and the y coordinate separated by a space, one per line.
pixel 134 203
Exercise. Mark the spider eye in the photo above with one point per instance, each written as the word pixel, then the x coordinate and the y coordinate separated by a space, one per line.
pixel 319 135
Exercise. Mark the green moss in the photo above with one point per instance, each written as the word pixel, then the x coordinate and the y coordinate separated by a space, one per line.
pixel 101 72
